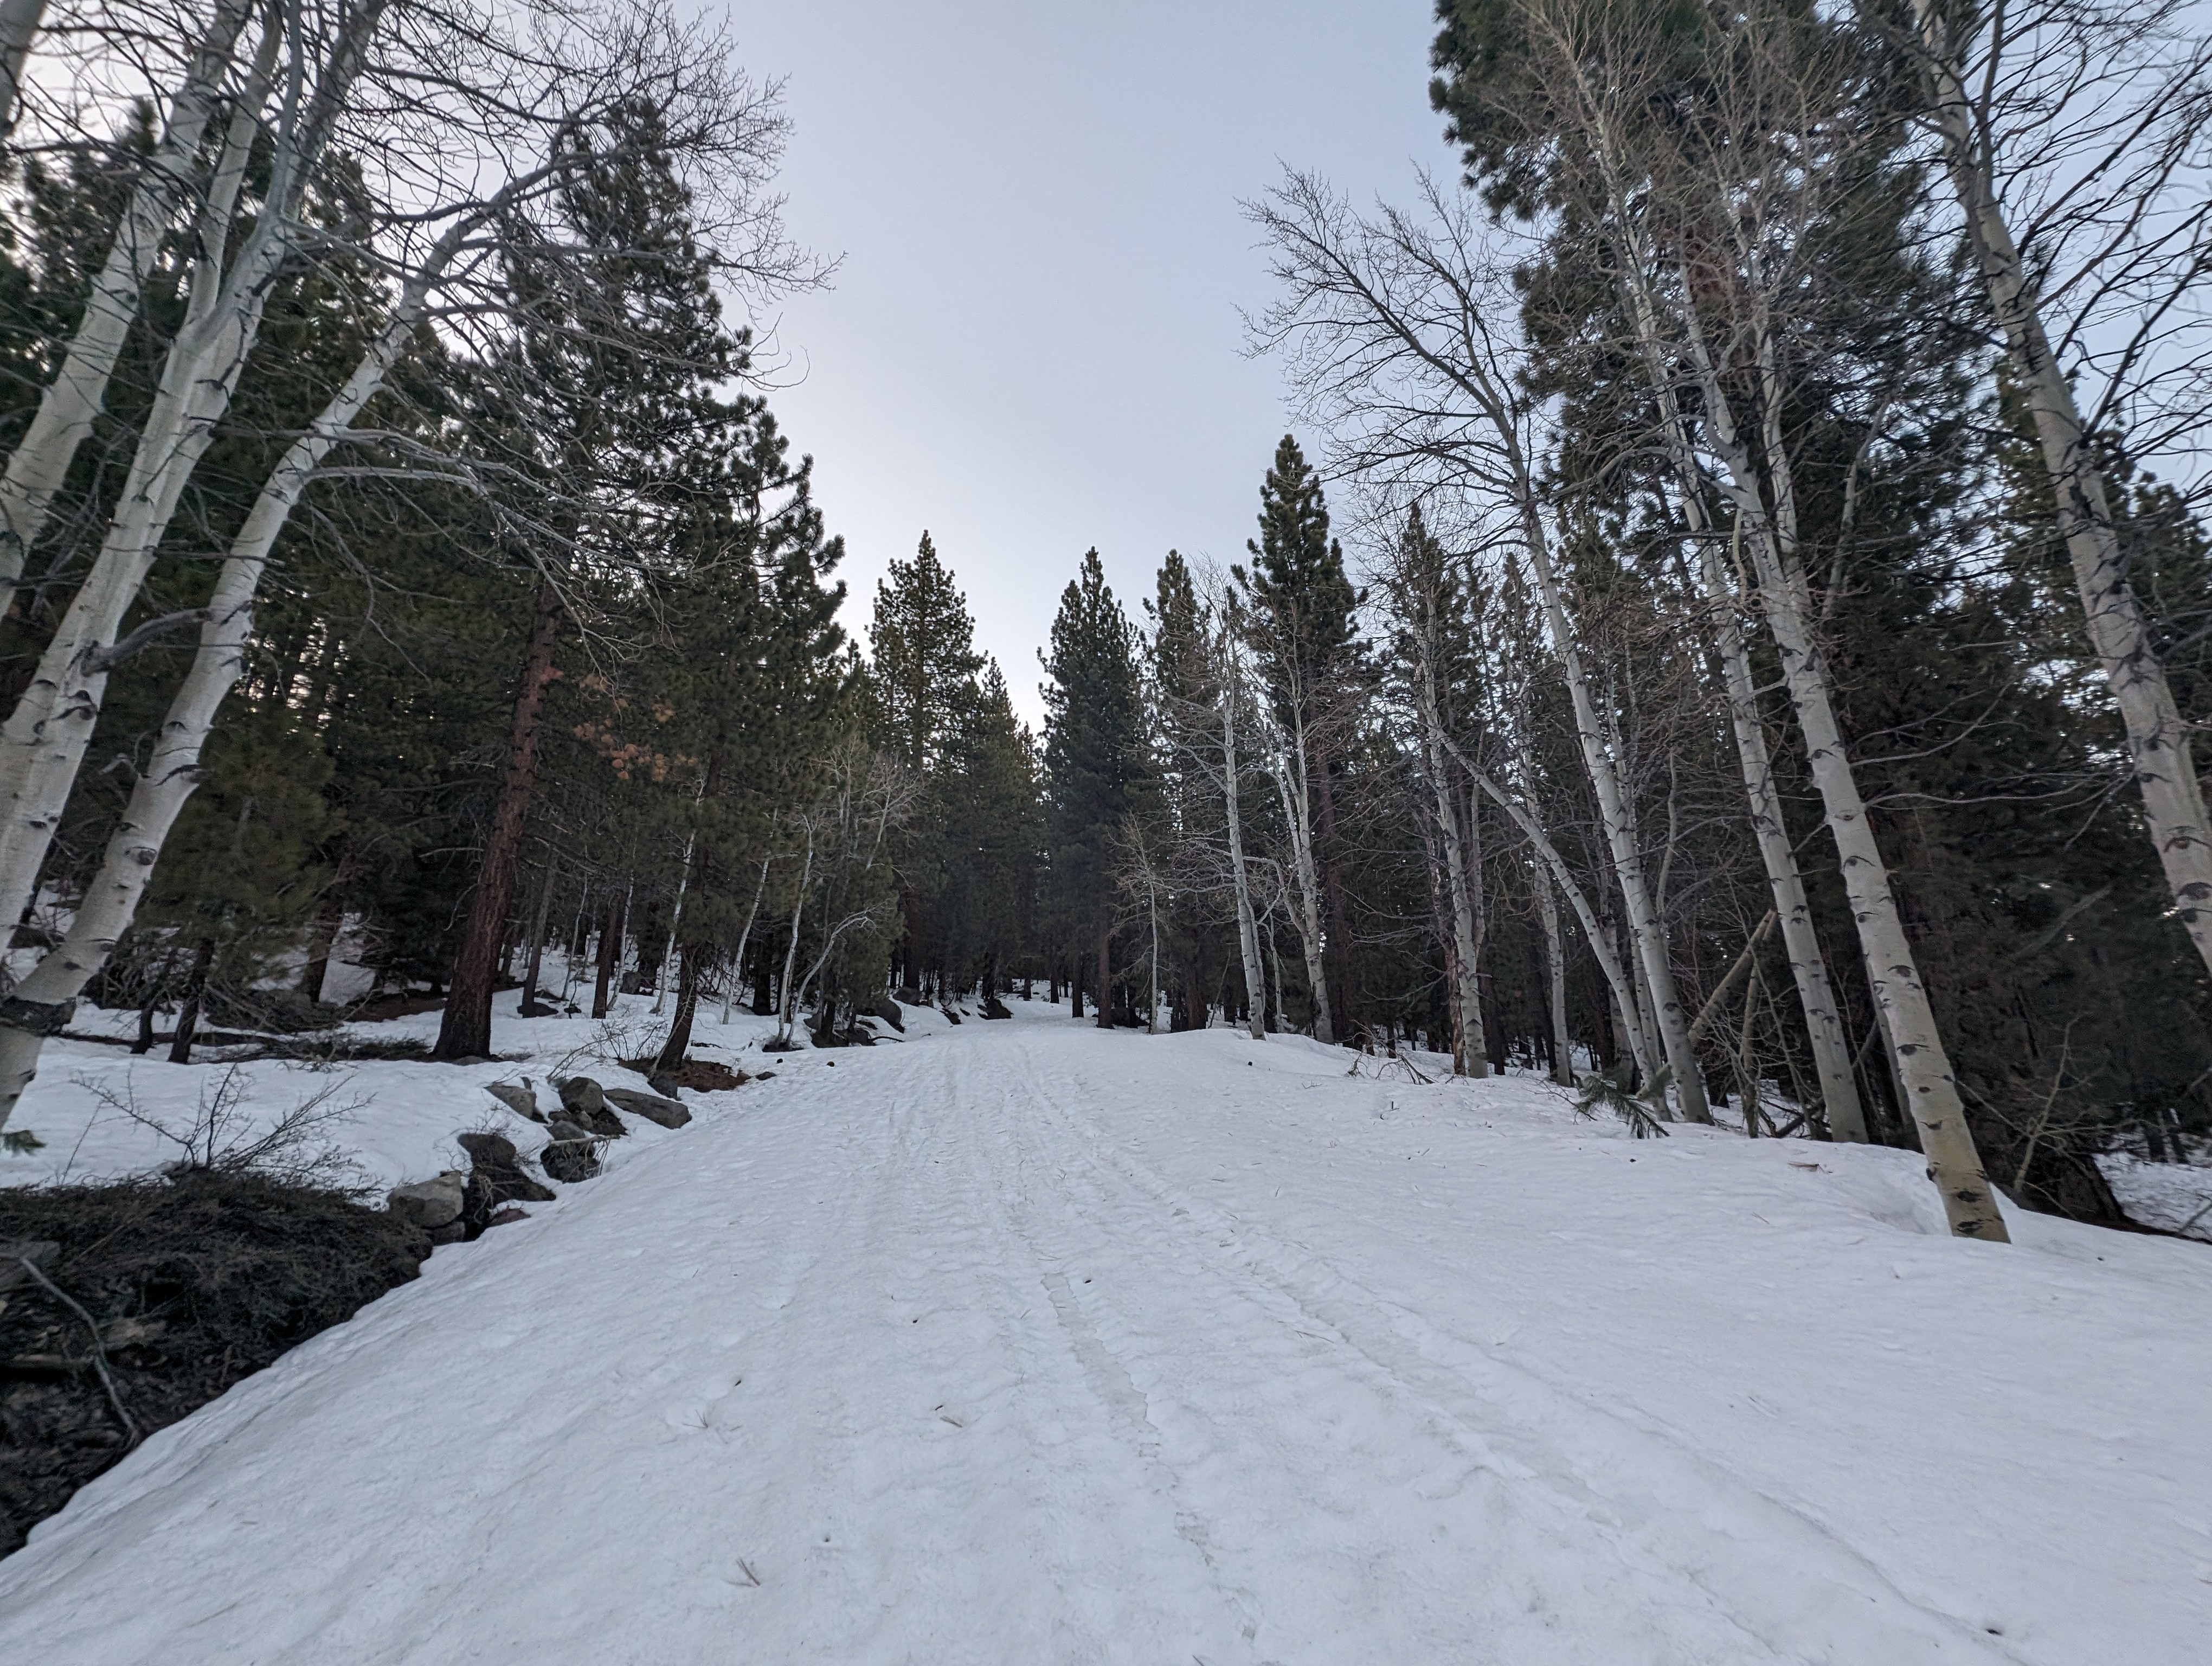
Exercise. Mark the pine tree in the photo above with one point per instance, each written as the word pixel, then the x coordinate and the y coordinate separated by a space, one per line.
pixel 602 403
pixel 1304 635
pixel 1094 761
pixel 989 840
pixel 923 688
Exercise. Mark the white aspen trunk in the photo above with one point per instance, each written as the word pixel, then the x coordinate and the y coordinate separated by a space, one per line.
pixel 19 22
pixel 675 915
pixel 1275 961
pixel 1248 930
pixel 1291 785
pixel 1555 971
pixel 2158 736
pixel 1924 1064
pixel 1472 1060
pixel 788 1005
pixel 42 1003
pixel 1809 968
pixel 70 404
pixel 1617 978
pixel 1153 904
pixel 1644 929
pixel 737 959
pixel 43 741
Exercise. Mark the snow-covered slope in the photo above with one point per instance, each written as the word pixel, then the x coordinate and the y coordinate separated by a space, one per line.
pixel 1023 1342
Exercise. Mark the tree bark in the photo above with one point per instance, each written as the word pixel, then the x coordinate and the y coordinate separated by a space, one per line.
pixel 1105 968
pixel 465 1029
pixel 39 1007
pixel 2158 736
pixel 1844 1115
pixel 330 921
pixel 1555 972
pixel 1341 965
pixel 1469 1052
pixel 687 1008
pixel 610 947
pixel 1645 928
pixel 19 22
pixel 71 403
pixel 1808 967
pixel 188 1014
pixel 1291 786
pixel 43 742
pixel 1922 1063
pixel 738 955
pixel 1617 978
pixel 536 963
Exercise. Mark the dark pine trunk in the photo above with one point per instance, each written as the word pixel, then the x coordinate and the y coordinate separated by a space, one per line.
pixel 611 946
pixel 687 1006
pixel 465 1029
pixel 1105 992
pixel 188 1015
pixel 330 920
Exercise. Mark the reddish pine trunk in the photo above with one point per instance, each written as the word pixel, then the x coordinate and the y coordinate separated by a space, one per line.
pixel 465 1031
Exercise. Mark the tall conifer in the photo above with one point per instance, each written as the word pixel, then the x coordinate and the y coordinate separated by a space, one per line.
pixel 1094 759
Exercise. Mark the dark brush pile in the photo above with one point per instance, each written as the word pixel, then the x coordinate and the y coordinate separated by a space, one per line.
pixel 194 1282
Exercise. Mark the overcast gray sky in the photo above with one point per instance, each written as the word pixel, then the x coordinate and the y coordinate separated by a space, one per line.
pixel 1034 345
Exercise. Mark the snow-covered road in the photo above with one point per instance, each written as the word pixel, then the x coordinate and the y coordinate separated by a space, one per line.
pixel 1021 1342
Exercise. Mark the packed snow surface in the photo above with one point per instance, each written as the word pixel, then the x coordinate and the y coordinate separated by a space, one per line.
pixel 1027 1342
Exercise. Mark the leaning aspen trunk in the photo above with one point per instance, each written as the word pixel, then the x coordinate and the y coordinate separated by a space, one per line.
pixel 1924 1064
pixel 43 742
pixel 1617 977
pixel 1839 1095
pixel 1471 1058
pixel 1816 997
pixel 1666 1018
pixel 41 1004
pixel 675 925
pixel 1248 930
pixel 71 403
pixel 2158 736
pixel 738 955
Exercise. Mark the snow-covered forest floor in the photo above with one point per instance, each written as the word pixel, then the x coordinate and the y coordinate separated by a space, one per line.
pixel 1024 1342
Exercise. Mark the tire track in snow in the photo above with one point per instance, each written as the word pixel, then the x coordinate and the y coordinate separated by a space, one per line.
pixel 1787 1581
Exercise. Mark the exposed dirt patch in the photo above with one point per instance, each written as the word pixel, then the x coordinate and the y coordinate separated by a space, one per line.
pixel 699 1075
pixel 193 1283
